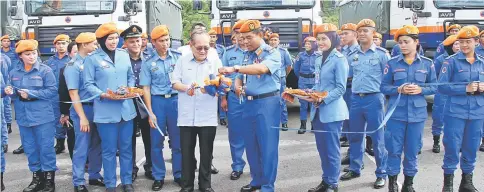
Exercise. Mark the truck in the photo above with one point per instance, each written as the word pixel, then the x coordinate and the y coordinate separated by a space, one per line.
pixel 292 20
pixel 431 17
pixel 43 20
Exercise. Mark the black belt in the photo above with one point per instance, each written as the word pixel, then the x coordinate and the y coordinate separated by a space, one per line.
pixel 88 103
pixel 168 95
pixel 365 94
pixel 263 95
pixel 307 75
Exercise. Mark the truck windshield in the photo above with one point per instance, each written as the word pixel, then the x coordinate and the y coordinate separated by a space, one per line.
pixel 68 7
pixel 459 4
pixel 226 5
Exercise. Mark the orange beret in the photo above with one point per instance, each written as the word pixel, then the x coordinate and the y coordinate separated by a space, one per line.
pixel 86 38
pixel 309 38
pixel 238 24
pixel 106 29
pixel 159 31
pixel 450 40
pixel 144 36
pixel 468 32
pixel 366 23
pixel 406 30
pixel 212 32
pixel 26 45
pixel 324 28
pixel 348 26
pixel 274 35
pixel 250 25
pixel 377 35
pixel 454 26
pixel 4 37
pixel 339 32
pixel 61 37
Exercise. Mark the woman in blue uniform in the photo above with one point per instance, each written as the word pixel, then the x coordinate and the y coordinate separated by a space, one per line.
pixel 331 73
pixel 110 68
pixel 404 75
pixel 32 86
pixel 451 46
pixel 463 75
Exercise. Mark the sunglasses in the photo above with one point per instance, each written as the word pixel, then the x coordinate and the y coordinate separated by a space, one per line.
pixel 200 48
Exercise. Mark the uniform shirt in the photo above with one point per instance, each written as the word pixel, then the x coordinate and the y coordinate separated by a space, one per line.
pixel 41 84
pixel 14 59
pixel 440 50
pixel 346 50
pixel 234 55
pixel 56 63
pixel 457 69
pixel 156 72
pixel 368 68
pixel 201 109
pixel 331 76
pixel 220 50
pixel 396 51
pixel 480 50
pixel 5 66
pixel 101 74
pixel 285 60
pixel 438 62
pixel 411 108
pixel 74 77
pixel 304 64
pixel 136 65
pixel 265 83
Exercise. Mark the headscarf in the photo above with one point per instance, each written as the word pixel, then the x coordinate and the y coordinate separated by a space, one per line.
pixel 102 44
pixel 335 41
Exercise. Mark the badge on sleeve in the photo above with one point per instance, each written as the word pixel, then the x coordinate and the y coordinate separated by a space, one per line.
pixel 444 69
pixel 385 71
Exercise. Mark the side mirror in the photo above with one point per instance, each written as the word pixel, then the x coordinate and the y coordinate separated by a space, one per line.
pixel 133 6
pixel 414 4
pixel 197 5
pixel 12 11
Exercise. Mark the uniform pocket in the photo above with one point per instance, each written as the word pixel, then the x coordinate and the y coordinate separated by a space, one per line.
pixel 375 67
pixel 420 102
pixel 462 76
pixel 459 100
pixel 420 77
pixel 400 78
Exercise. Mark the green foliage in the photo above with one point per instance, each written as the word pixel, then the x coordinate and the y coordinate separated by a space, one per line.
pixel 330 12
pixel 190 16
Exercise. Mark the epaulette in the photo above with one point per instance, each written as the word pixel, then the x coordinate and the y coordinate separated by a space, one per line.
pixel 450 56
pixel 230 47
pixel 220 46
pixel 174 51
pixel 338 54
pixel 382 49
pixel 71 62
pixel 269 49
pixel 352 52
pixel 426 58
pixel 318 53
pixel 124 50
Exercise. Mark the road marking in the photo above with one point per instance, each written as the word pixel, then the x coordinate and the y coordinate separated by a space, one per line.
pixel 138 164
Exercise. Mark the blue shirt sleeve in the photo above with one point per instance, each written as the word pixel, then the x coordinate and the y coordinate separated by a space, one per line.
pixel 90 76
pixel 431 78
pixel 287 59
pixel 145 75
pixel 50 85
pixel 272 61
pixel 72 75
pixel 297 65
pixel 340 75
pixel 387 86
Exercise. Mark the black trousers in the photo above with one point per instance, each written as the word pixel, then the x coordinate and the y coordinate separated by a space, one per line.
pixel 144 125
pixel 71 140
pixel 188 141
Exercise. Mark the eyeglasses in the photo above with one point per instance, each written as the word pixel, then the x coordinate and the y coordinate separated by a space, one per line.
pixel 200 48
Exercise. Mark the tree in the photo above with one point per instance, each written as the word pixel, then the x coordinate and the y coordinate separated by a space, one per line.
pixel 330 12
pixel 190 16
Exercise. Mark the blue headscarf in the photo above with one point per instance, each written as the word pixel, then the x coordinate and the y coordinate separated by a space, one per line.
pixel 335 41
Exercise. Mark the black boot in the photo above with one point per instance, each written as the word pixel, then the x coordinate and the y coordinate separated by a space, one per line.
pixel 466 184
pixel 60 146
pixel 9 127
pixel 408 184
pixel 49 181
pixel 302 129
pixel 38 182
pixel 436 147
pixel 323 187
pixel 3 186
pixel 346 160
pixel 448 183
pixel 369 146
pixel 392 183
pixel 19 150
pixel 482 145
pixel 284 127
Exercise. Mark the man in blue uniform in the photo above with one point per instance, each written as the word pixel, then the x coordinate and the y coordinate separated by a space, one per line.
pixel 4 69
pixel 285 69
pixel 452 30
pixel 162 102
pixel 220 51
pixel 56 62
pixel 367 102
pixel 7 101
pixel 259 83
pixel 234 106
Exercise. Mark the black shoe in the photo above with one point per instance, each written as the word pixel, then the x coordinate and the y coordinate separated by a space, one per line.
pixel 149 175
pixel 223 122
pixel 249 188
pixel 466 184
pixel 97 182
pixel 369 146
pixel 138 132
pixel 345 160
pixel 408 184
pixel 128 188
pixel 157 185
pixel 117 153
pixel 134 174
pixel 302 129
pixel 80 188
pixel 214 170
pixel 187 190
pixel 349 176
pixel 38 182
pixel 345 144
pixel 19 150
pixel 3 186
pixel 448 183
pixel 392 183
pixel 178 181
pixel 60 146
pixel 235 175
pixel 49 181
pixel 207 190
pixel 284 127
pixel 436 146
pixel 5 148
pixel 323 187
pixel 370 151
pixel 341 139
pixel 482 146
pixel 379 183
pixel 9 127
pixel 347 169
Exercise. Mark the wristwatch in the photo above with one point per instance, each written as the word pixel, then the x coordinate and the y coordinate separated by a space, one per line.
pixel 237 68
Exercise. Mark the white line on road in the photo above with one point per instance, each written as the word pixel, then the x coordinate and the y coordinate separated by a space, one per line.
pixel 138 164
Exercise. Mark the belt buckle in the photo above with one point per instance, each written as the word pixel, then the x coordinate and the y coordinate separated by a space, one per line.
pixel 167 96
pixel 250 98
pixel 361 94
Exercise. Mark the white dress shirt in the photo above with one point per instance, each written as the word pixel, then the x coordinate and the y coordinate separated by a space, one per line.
pixel 201 109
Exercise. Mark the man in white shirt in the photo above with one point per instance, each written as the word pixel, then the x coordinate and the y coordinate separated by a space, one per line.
pixel 197 112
